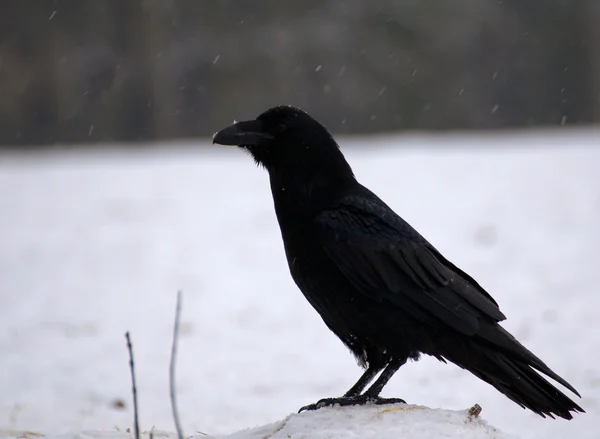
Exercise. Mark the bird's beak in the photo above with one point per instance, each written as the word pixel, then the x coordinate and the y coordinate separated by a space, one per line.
pixel 249 133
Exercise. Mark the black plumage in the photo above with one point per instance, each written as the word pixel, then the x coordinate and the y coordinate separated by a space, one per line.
pixel 381 287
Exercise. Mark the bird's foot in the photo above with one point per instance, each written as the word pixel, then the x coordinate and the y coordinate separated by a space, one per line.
pixel 351 400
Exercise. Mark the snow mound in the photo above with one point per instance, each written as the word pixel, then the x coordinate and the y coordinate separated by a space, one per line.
pixel 377 422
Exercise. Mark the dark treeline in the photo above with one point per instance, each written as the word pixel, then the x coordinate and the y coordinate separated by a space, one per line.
pixel 128 70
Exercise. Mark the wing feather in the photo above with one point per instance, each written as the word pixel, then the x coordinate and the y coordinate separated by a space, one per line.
pixel 386 259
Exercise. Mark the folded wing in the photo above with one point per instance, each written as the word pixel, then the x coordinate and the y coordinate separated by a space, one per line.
pixel 386 259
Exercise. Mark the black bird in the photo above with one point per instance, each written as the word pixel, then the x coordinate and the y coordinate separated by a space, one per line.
pixel 381 287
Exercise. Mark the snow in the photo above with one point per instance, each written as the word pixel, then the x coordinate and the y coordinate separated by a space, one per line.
pixel 95 243
pixel 410 422
pixel 394 421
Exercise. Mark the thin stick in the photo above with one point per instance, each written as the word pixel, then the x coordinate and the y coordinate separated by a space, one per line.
pixel 136 427
pixel 172 368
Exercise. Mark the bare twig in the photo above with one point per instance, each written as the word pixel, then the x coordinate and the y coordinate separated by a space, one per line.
pixel 172 368
pixel 136 427
pixel 474 412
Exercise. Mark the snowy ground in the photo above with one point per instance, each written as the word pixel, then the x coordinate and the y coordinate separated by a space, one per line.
pixel 390 422
pixel 96 243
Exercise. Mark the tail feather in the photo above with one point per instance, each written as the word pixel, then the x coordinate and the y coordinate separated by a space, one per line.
pixel 516 377
pixel 500 337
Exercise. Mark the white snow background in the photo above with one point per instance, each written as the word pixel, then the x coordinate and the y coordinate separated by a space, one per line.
pixel 97 242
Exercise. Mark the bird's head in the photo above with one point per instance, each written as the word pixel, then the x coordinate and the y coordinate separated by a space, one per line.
pixel 287 139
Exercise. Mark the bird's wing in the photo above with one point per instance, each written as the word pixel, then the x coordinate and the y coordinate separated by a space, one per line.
pixel 386 259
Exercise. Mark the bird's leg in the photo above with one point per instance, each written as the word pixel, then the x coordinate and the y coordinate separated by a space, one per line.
pixel 362 382
pixel 371 396
pixel 351 396
pixel 376 388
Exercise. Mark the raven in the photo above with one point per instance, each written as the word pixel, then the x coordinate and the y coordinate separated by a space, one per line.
pixel 379 285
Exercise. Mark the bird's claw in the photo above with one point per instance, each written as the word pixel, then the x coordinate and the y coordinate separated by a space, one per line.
pixel 351 400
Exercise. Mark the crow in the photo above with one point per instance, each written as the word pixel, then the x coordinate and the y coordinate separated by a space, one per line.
pixel 379 285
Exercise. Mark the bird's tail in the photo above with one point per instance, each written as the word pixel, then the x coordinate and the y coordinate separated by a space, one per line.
pixel 514 372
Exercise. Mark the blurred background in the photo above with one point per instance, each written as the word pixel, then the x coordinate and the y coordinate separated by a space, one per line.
pixel 75 71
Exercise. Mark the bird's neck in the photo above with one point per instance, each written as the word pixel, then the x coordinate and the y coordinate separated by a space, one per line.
pixel 299 197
